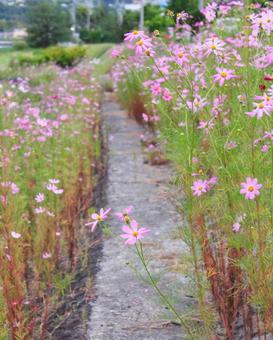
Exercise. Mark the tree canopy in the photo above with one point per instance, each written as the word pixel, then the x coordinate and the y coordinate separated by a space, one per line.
pixel 47 23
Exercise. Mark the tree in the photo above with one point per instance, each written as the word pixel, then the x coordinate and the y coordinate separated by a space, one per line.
pixel 130 22
pixel 82 17
pixel 156 19
pixel 105 20
pixel 47 23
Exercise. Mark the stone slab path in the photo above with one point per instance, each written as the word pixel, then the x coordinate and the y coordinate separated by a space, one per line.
pixel 126 307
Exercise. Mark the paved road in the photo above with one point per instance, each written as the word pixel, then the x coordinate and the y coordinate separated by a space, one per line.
pixel 127 308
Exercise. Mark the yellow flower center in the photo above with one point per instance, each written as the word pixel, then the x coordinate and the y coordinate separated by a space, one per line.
pixel 99 218
pixel 140 42
pixel 261 105
pixel 223 74
pixel 268 99
pixel 135 233
pixel 200 187
pixel 213 47
pixel 135 32
pixel 251 188
pixel 180 54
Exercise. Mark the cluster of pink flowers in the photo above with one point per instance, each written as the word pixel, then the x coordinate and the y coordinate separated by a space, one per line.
pixel 139 41
pixel 133 232
pixel 52 186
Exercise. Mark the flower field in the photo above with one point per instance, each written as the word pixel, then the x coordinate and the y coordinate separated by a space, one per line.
pixel 50 161
pixel 207 93
pixel 195 132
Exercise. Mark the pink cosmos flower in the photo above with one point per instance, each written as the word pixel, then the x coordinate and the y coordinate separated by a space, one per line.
pixel 231 145
pixel 131 36
pixel 133 233
pixel 15 235
pixel 115 53
pixel 166 95
pixel 223 75
pixel 54 181
pixel 250 188
pixel 124 214
pixel 197 104
pixel 155 88
pixel 214 45
pixel 210 11
pixel 39 197
pixel 39 210
pixel 236 227
pixel 265 148
pixel 181 57
pixel 54 189
pixel 46 255
pixel 102 216
pixel 143 45
pixel 260 110
pixel 199 187
pixel 12 186
pixel 145 117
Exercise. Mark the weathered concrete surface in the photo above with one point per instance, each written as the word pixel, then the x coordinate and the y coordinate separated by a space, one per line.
pixel 126 307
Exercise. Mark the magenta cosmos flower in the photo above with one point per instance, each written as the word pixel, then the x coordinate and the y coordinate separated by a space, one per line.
pixel 250 188
pixel 199 187
pixel 102 216
pixel 223 75
pixel 133 233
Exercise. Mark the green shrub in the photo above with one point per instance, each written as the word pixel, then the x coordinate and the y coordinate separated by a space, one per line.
pixel 20 45
pixel 27 60
pixel 65 56
pixel 62 56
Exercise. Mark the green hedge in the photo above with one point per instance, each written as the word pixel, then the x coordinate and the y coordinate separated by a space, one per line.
pixel 62 56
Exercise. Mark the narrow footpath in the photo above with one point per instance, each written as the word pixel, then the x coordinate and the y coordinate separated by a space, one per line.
pixel 126 307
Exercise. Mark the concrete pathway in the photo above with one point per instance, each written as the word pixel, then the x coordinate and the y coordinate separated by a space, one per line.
pixel 126 307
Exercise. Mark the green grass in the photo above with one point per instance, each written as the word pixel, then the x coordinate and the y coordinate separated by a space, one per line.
pixel 97 50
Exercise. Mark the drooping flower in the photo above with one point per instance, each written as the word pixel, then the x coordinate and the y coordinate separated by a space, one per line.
pixel 123 215
pixel 250 188
pixel 102 216
pixel 133 233
pixel 199 187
